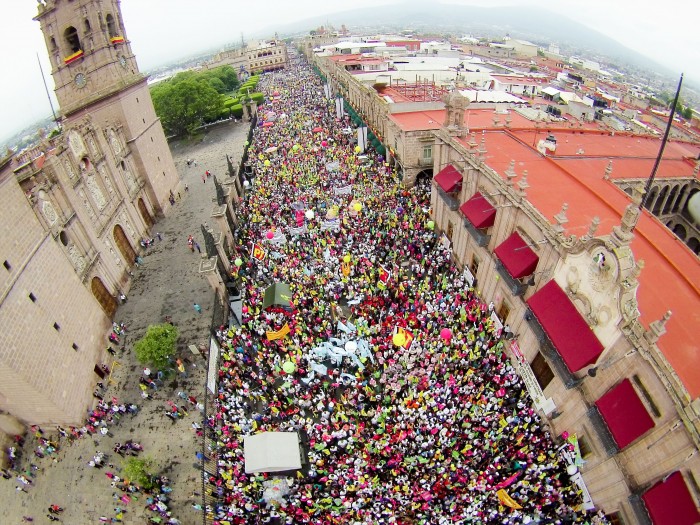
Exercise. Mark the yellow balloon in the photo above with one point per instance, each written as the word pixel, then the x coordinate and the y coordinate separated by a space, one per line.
pixel 399 339
pixel 346 258
pixel 267 163
pixel 357 206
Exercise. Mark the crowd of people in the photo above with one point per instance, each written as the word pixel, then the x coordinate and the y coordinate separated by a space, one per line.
pixel 391 371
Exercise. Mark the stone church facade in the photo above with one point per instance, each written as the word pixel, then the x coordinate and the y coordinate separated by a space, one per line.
pixel 74 210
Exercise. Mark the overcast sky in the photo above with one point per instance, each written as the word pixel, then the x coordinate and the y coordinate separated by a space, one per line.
pixel 162 30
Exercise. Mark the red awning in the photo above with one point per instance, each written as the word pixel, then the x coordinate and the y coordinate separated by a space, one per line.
pixel 670 503
pixel 479 211
pixel 449 179
pixel 566 328
pixel 624 414
pixel 517 256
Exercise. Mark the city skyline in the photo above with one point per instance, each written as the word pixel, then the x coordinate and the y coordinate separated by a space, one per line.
pixel 25 99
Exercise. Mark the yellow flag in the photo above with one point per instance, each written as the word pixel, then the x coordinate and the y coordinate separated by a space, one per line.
pixel 279 334
pixel 506 500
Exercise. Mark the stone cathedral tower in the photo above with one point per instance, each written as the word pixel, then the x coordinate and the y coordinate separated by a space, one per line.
pixel 98 85
pixel 73 211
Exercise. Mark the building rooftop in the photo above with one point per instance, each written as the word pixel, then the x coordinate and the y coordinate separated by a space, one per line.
pixel 672 273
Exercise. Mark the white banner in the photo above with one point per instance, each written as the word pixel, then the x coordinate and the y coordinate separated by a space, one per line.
pixel 213 372
pixel 297 231
pixel 498 325
pixel 333 224
pixel 279 238
pixel 445 241
pixel 362 138
pixel 339 106
pixel 327 90
pixel 468 276
pixel 344 190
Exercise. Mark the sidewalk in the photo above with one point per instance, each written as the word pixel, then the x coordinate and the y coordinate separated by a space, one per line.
pixel 167 284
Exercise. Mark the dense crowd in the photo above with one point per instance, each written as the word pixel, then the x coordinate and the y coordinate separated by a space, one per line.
pixel 392 372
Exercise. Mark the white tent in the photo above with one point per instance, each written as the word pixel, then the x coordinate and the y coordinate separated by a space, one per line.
pixel 271 452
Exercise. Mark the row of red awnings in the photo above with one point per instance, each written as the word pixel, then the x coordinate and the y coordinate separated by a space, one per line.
pixel 669 502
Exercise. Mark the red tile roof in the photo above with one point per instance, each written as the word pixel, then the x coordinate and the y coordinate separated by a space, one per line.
pixel 579 181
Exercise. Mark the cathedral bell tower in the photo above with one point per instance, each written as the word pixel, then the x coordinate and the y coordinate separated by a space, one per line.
pixel 90 55
pixel 104 99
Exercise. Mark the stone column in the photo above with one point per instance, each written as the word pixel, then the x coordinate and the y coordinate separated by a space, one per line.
pixel 218 213
pixel 210 270
pixel 219 243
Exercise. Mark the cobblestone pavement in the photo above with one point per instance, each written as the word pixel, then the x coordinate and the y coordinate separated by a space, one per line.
pixel 168 283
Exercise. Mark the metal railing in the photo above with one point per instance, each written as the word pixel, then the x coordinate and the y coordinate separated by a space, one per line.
pixel 209 464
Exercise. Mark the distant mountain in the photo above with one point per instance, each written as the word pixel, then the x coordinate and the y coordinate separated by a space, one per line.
pixel 538 25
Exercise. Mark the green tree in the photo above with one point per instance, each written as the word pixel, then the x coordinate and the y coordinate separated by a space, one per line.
pixel 687 113
pixel 185 104
pixel 139 471
pixel 228 76
pixel 156 347
pixel 217 84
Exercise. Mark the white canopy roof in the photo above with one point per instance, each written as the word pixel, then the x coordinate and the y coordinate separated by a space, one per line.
pixel 271 452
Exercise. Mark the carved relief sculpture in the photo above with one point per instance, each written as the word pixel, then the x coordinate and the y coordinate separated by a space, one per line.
pixel 77 259
pixel 76 145
pixel 96 191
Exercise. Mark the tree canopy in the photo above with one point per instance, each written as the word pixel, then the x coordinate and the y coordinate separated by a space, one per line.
pixel 191 98
pixel 138 471
pixel 156 347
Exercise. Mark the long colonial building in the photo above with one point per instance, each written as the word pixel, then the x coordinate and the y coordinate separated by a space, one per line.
pixel 73 212
pixel 549 221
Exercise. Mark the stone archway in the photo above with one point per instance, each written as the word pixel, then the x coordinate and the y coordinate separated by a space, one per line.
pixel 668 208
pixel 694 245
pixel 680 232
pixel 107 301
pixel 147 217
pixel 124 245
pixel 659 202
pixel 649 202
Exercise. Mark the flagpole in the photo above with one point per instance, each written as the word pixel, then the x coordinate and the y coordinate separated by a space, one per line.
pixel 46 87
pixel 650 180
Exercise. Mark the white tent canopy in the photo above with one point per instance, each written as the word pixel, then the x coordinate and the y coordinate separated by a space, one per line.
pixel 271 452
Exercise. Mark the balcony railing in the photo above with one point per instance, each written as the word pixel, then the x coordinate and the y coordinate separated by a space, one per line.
pixel 480 237
pixel 549 351
pixel 450 200
pixel 516 287
pixel 603 432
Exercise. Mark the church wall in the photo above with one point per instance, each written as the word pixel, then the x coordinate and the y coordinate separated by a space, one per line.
pixel 42 378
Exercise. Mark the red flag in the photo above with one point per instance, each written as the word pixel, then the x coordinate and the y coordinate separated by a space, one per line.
pixel 258 252
pixel 384 274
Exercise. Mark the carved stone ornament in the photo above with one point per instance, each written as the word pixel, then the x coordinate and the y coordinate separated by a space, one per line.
pixel 107 180
pixel 70 170
pixel 124 218
pixel 113 253
pixel 76 145
pixel 96 191
pixel 130 180
pixel 87 205
pixel 77 259
pixel 114 141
